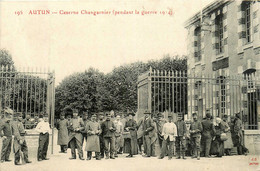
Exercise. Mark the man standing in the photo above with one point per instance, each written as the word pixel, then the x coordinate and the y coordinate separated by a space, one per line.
pixel 207 134
pixel 148 133
pixel 93 130
pixel 131 142
pixel 75 126
pixel 6 127
pixel 101 139
pixel 195 131
pixel 63 135
pixel 180 139
pixel 43 128
pixel 169 133
pixel 239 140
pixel 19 140
pixel 108 129
pixel 118 134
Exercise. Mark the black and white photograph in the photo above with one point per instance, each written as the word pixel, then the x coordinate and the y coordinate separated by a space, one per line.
pixel 132 85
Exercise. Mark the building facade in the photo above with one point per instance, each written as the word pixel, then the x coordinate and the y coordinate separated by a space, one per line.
pixel 224 44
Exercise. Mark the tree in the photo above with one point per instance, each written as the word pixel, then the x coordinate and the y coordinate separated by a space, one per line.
pixel 6 58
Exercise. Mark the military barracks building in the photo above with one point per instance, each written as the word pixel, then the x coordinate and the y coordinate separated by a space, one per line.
pixel 224 43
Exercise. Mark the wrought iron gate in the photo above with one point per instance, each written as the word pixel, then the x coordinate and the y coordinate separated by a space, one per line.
pixel 176 92
pixel 29 91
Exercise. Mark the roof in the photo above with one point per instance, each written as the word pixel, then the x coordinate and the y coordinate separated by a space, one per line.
pixel 206 11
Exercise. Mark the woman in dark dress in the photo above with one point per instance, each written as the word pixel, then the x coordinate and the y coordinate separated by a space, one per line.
pixel 131 142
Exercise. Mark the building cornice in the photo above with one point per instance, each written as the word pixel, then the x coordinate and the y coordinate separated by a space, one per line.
pixel 206 11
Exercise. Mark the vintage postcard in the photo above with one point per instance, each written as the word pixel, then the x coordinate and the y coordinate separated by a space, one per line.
pixel 130 85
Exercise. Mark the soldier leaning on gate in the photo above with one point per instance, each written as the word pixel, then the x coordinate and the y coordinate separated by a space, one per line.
pixel 181 136
pixel 75 127
pixel 20 145
pixel 195 131
pixel 6 134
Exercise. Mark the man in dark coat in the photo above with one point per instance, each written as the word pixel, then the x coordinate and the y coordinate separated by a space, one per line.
pixel 195 131
pixel 63 136
pixel 93 130
pixel 85 119
pixel 108 129
pixel 131 126
pixel 148 133
pixel 180 139
pixel 20 144
pixel 6 127
pixel 101 139
pixel 75 126
pixel 207 134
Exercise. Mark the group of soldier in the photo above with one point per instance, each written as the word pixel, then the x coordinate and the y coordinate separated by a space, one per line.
pixel 109 136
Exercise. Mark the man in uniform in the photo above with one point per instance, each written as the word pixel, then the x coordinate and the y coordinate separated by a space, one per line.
pixel 148 133
pixel 85 120
pixel 195 131
pixel 239 139
pixel 180 139
pixel 20 145
pixel 207 134
pixel 101 139
pixel 93 130
pixel 75 127
pixel 43 127
pixel 6 127
pixel 108 129
pixel 63 135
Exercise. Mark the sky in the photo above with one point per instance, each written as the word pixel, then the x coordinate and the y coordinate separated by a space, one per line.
pixel 75 42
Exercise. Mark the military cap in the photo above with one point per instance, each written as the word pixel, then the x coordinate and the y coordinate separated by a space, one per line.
pixel 194 114
pixel 8 111
pixel 131 113
pixel 94 115
pixel 108 114
pixel 225 116
pixel 147 112
pixel 188 121
pixel 75 111
pixel 179 114
pixel 208 115
pixel 62 114
pixel 169 116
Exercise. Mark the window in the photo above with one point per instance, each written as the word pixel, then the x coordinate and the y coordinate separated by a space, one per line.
pixel 220 33
pixel 248 21
pixel 197 44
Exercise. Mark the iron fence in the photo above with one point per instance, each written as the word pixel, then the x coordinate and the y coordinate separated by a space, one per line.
pixel 176 92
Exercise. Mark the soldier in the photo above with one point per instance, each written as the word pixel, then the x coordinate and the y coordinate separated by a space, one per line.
pixel 43 128
pixel 6 127
pixel 148 133
pixel 75 126
pixel 207 134
pixel 169 133
pixel 108 129
pixel 180 139
pixel 63 136
pixel 20 145
pixel 101 139
pixel 131 142
pixel 85 120
pixel 93 130
pixel 195 131
pixel 118 134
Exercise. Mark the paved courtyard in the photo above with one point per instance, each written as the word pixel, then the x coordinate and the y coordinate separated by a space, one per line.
pixel 60 162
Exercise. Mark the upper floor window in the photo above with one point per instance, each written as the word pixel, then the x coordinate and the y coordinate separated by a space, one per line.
pixel 197 34
pixel 220 33
pixel 247 7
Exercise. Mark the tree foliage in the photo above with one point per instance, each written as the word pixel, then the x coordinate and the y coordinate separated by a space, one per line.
pixel 5 58
pixel 117 90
